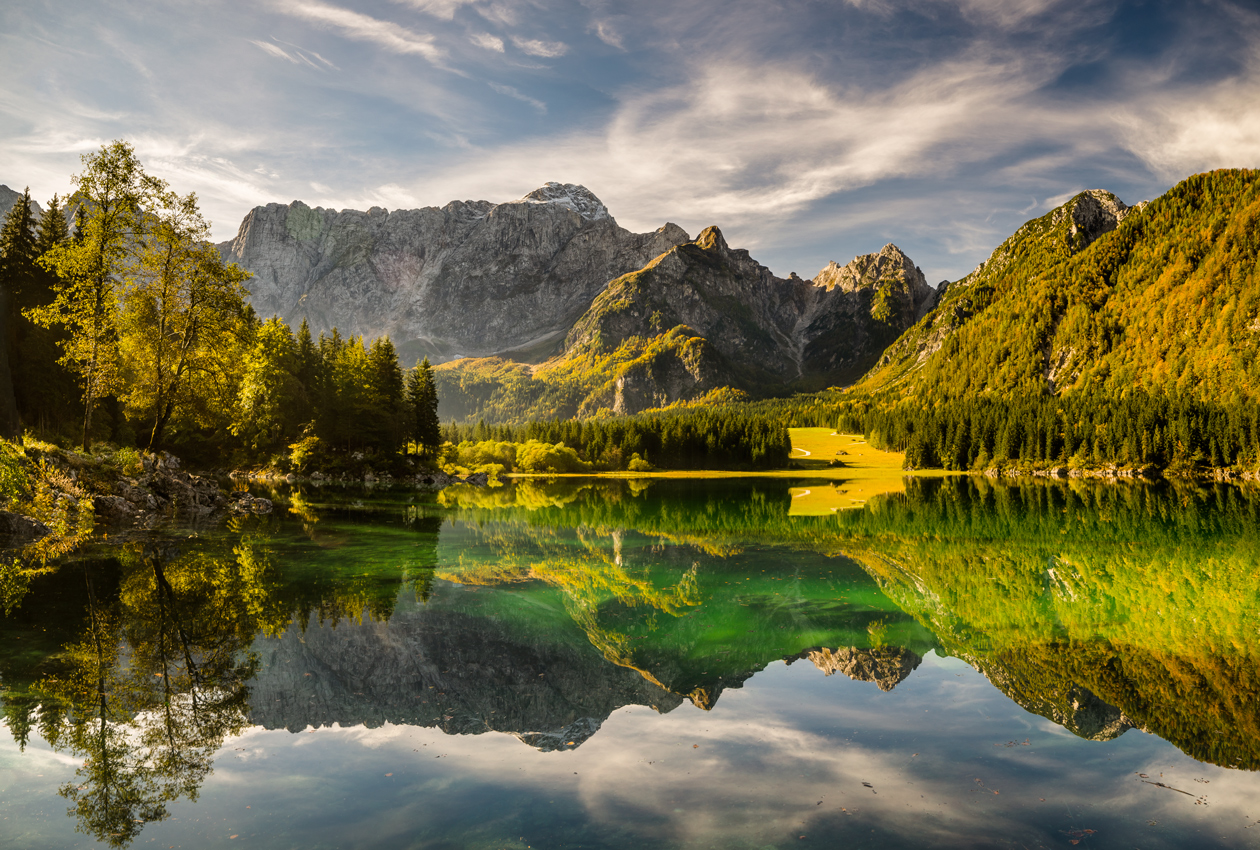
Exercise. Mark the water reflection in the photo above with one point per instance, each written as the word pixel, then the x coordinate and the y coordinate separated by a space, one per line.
pixel 540 610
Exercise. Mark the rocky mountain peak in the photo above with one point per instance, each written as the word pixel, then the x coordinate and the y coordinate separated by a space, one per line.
pixel 867 270
pixel 571 196
pixel 1094 213
pixel 711 239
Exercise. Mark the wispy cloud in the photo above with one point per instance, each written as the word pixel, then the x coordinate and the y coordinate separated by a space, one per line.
pixel 444 9
pixel 487 41
pixel 297 55
pixel 275 50
pixel 391 36
pixel 514 93
pixel 608 34
pixel 538 47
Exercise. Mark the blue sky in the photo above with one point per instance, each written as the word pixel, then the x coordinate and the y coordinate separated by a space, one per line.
pixel 808 131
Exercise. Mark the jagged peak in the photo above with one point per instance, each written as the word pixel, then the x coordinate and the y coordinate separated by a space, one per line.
pixel 868 269
pixel 571 196
pixel 711 239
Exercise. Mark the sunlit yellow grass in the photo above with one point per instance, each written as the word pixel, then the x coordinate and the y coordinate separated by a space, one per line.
pixel 865 471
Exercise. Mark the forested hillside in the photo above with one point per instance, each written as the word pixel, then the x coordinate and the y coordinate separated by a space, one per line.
pixel 1098 336
pixel 1097 297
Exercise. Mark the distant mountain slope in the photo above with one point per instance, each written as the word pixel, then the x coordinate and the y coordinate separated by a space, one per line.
pixel 703 318
pixel 9 197
pixel 1098 295
pixel 471 278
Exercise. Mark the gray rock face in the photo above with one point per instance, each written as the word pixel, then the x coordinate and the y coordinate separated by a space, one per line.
pixel 9 197
pixel 468 279
pixel 1094 213
pixel 773 331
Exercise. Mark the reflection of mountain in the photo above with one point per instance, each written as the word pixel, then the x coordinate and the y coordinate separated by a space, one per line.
pixel 886 666
pixel 1102 609
pixel 458 672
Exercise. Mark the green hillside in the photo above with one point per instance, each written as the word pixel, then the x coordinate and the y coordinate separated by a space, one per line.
pixel 1168 301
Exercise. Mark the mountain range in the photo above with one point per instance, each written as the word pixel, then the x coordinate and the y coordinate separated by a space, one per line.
pixel 546 306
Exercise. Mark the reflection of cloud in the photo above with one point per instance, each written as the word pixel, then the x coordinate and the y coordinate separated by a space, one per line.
pixel 783 757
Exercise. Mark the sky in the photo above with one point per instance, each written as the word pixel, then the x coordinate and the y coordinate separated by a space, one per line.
pixel 808 131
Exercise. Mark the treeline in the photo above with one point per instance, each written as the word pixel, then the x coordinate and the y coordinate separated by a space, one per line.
pixel 1171 431
pixel 303 399
pixel 129 327
pixel 710 439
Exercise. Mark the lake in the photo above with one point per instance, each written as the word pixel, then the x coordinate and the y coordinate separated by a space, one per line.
pixel 596 663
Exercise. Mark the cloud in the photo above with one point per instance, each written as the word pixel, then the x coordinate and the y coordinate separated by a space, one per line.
pixel 360 27
pixel 487 41
pixel 537 47
pixel 298 56
pixel 736 143
pixel 608 34
pixel 511 92
pixel 444 9
pixel 276 51
pixel 1197 128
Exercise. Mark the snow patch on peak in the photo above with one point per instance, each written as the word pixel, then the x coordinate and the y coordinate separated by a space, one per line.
pixel 570 195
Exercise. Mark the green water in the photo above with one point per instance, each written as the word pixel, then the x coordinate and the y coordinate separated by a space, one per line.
pixel 619 664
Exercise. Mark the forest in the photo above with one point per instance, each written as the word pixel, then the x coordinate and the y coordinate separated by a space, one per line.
pixel 120 323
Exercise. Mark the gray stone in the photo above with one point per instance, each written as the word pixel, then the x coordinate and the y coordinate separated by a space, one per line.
pixel 17 530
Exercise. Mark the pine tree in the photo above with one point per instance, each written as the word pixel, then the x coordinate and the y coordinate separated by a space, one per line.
pixel 386 396
pixel 422 400
pixel 17 277
pixel 52 229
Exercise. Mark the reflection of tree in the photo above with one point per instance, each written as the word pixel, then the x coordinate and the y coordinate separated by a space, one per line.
pixel 157 682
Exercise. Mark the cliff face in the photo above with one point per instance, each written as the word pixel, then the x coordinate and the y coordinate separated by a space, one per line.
pixel 471 278
pixel 771 331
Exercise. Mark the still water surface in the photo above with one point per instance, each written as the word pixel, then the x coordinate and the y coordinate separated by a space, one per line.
pixel 680 664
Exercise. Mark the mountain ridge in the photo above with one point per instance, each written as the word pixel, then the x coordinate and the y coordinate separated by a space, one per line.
pixel 471 278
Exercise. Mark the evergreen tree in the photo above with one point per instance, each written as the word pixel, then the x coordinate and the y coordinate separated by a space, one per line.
pixel 422 402
pixel 270 391
pixel 52 229
pixel 17 277
pixel 47 394
pixel 386 390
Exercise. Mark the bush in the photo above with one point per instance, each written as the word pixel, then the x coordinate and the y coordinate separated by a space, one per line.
pixel 535 456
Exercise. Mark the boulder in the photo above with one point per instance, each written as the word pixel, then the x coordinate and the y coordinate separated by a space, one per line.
pixel 17 530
